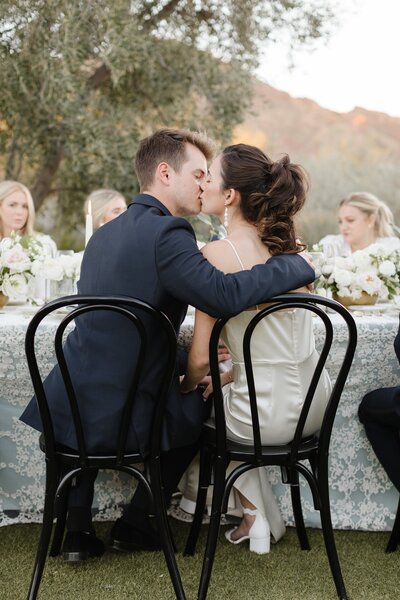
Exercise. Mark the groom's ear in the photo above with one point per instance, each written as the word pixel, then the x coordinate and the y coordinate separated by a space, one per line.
pixel 163 173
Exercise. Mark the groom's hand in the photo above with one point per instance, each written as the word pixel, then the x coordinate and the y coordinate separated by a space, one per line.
pixel 223 353
pixel 317 271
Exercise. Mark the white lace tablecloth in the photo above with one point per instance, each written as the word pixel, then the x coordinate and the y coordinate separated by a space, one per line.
pixel 361 495
pixel 22 464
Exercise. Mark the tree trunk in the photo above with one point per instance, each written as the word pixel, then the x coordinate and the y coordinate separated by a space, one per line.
pixel 46 175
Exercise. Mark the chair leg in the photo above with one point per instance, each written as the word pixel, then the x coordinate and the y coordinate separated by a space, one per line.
pixel 45 535
pixel 298 515
pixel 204 482
pixel 327 530
pixel 160 511
pixel 212 537
pixel 60 525
pixel 395 535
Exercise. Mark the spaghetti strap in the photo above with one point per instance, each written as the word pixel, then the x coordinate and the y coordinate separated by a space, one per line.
pixel 238 257
pixel 235 251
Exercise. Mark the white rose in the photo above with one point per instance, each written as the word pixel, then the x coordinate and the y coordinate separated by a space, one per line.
pixel 361 260
pixel 387 268
pixel 15 287
pixel 343 262
pixel 342 277
pixel 379 250
pixel 70 264
pixel 5 244
pixel 37 267
pixel 16 259
pixel 369 282
pixel 344 291
pixel 52 269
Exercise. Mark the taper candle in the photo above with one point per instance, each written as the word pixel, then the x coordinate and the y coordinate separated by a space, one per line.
pixel 89 223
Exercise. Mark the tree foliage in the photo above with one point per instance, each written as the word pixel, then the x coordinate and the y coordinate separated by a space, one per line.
pixel 81 82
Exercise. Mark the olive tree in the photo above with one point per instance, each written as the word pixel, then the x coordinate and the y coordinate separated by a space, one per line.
pixel 82 81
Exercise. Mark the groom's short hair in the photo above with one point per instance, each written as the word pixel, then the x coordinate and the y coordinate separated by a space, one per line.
pixel 167 145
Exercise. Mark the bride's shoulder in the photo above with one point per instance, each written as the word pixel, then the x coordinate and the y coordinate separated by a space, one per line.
pixel 214 248
pixel 215 253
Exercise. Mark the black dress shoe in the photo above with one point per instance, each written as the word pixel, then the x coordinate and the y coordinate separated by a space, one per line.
pixel 126 537
pixel 81 545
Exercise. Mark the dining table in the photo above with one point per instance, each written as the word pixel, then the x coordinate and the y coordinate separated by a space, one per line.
pixel 362 497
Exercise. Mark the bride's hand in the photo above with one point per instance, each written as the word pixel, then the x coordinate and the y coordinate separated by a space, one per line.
pixel 206 384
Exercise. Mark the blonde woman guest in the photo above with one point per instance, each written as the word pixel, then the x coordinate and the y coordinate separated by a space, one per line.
pixel 106 205
pixel 17 213
pixel 363 220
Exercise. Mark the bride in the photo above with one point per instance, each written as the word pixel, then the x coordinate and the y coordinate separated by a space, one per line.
pixel 257 199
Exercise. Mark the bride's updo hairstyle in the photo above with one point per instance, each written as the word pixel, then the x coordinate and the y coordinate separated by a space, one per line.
pixel 271 193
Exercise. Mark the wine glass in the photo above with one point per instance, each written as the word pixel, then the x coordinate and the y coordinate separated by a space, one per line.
pixel 330 251
pixel 317 258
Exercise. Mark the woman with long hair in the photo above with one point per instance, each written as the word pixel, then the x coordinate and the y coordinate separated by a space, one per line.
pixel 364 219
pixel 105 205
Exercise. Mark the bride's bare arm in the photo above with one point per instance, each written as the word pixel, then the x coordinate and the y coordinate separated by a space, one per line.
pixel 198 359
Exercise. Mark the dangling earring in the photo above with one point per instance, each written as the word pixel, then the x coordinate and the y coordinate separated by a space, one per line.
pixel 226 220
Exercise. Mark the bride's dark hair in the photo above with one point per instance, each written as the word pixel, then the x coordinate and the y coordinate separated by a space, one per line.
pixel 271 193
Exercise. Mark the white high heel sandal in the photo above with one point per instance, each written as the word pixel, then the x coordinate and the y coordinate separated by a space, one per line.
pixel 259 533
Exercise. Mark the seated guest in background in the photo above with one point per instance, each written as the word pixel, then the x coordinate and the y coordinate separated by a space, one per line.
pixel 106 205
pixel 257 199
pixel 363 220
pixel 17 213
pixel 379 412
pixel 149 252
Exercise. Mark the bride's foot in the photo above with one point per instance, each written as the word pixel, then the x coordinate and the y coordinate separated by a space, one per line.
pixel 242 530
pixel 253 527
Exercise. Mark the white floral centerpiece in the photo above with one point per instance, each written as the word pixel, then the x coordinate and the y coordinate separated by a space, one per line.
pixel 20 259
pixel 64 270
pixel 364 275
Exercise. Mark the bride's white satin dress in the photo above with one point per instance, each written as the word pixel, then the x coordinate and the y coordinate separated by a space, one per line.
pixel 284 359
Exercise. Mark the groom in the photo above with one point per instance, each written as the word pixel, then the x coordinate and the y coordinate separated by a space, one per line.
pixel 149 252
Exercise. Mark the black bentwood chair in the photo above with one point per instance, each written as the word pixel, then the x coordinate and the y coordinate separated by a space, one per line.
pixel 217 451
pixel 63 465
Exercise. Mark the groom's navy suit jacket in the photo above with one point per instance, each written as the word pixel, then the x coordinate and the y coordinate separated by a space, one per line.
pixel 149 254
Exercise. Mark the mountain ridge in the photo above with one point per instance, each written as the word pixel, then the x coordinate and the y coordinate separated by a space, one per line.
pixel 342 152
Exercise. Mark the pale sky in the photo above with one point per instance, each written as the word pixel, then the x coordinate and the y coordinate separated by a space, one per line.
pixel 358 66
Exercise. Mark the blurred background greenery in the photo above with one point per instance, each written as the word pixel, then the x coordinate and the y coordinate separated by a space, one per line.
pixel 82 82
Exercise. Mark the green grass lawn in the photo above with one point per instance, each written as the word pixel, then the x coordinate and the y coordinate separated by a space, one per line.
pixel 286 573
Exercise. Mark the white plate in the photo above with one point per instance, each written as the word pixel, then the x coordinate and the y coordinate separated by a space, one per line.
pixel 64 310
pixel 372 308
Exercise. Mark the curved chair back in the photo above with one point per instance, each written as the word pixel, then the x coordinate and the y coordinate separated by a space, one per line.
pixel 317 305
pixel 138 316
